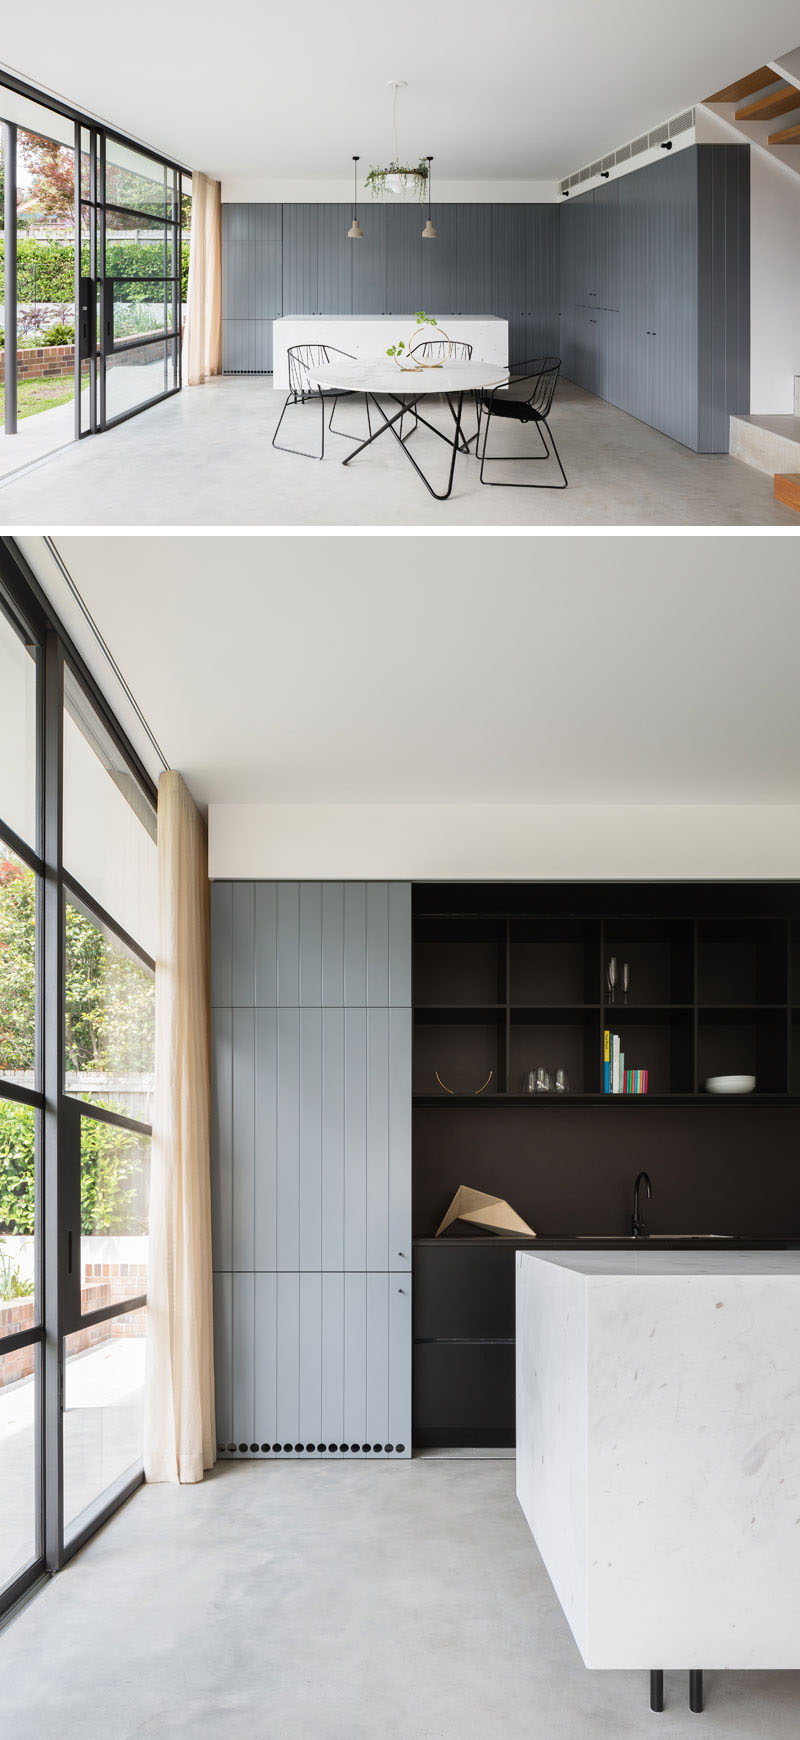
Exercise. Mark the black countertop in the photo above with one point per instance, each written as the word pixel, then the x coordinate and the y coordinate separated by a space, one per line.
pixel 614 1241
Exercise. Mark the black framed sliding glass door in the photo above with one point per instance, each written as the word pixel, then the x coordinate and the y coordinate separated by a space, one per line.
pixel 131 280
pixel 94 271
pixel 78 889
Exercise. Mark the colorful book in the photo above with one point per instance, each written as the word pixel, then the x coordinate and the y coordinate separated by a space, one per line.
pixel 606 1061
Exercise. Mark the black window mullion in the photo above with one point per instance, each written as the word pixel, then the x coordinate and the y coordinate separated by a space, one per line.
pixel 53 1204
pixel 103 1115
pixel 104 920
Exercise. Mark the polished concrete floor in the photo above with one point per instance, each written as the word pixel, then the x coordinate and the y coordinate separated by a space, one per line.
pixel 300 1600
pixel 204 459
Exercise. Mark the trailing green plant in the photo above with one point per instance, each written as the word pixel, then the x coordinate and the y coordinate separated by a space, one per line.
pixel 416 174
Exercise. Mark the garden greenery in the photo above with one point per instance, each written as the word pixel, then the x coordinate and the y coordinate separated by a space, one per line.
pixel 109 1013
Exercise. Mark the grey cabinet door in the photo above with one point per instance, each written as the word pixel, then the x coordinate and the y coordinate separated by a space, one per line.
pixel 672 307
pixel 438 266
pixel 300 260
pixel 334 260
pixel 252 285
pixel 403 265
pixel 606 225
pixel 369 263
pixel 474 255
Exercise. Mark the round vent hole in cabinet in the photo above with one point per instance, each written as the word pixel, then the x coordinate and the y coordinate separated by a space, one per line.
pixel 400 1449
pixel 276 1448
pixel 243 1448
pixel 343 1448
pixel 321 1448
pixel 388 1448
pixel 264 1448
pixel 287 1446
pixel 310 1448
pixel 355 1447
pixel 253 1448
pixel 377 1448
pixel 332 1449
pixel 231 1448
pixel 366 1446
pixel 298 1446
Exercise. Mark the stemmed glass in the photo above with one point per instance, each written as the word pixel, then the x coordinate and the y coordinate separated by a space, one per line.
pixel 626 979
pixel 611 976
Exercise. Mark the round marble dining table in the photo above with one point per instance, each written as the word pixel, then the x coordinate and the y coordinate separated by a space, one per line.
pixel 380 379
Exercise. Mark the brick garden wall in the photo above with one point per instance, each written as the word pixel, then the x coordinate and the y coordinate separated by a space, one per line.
pixel 103 1284
pixel 48 361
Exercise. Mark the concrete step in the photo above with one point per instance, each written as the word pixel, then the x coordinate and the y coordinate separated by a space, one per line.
pixel 770 444
pixel 787 489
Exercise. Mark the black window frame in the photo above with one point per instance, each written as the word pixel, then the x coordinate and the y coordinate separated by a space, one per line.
pixel 24 605
pixel 99 343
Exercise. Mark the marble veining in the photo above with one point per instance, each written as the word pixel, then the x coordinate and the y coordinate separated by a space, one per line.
pixel 658 1451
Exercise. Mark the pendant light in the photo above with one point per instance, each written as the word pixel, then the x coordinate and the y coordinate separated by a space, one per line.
pixel 430 233
pixel 355 232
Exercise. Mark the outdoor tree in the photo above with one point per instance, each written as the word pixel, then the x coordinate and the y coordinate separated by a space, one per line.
pixel 53 174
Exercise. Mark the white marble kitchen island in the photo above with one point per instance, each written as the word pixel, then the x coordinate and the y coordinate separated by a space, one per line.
pixel 658 1451
pixel 366 336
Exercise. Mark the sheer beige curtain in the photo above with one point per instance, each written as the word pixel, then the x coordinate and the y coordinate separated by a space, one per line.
pixel 179 1434
pixel 202 340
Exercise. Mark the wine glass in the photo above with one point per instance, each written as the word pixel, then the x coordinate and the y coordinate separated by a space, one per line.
pixel 611 975
pixel 626 979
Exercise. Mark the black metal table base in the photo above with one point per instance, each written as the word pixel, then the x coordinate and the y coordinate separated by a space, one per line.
pixel 407 402
pixel 695 1690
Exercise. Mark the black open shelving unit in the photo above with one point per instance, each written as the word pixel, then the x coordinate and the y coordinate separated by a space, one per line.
pixel 507 977
pixel 708 996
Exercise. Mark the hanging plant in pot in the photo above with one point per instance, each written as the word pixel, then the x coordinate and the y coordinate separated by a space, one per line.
pixel 398 180
pixel 403 353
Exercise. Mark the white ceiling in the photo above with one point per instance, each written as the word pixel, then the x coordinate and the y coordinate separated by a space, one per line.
pixel 514 90
pixel 453 670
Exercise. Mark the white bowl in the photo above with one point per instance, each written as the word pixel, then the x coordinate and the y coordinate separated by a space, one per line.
pixel 730 1084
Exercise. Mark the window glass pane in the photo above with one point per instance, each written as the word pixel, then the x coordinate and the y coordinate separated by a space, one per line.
pixel 142 307
pixel 133 377
pixel 109 1016
pixel 17 969
pixel 17 1215
pixel 115 1208
pixel 109 825
pixel 17 734
pixel 103 1408
pixel 137 182
pixel 18 1504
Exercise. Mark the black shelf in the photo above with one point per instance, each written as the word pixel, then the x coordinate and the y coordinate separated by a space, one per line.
pixel 514 976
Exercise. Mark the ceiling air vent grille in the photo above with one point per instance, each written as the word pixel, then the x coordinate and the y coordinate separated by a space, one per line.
pixel 646 142
pixel 682 123
pixel 638 145
pixel 623 155
pixel 658 135
pixel 608 162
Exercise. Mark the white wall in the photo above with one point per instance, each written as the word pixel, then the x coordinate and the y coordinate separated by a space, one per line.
pixel 252 189
pixel 507 842
pixel 774 266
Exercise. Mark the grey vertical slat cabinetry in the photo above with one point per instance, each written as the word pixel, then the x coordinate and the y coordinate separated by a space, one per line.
pixel 724 310
pixel 311 1166
pixel 668 248
pixel 252 256
pixel 488 259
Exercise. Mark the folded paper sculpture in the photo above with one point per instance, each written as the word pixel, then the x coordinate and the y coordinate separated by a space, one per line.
pixel 480 1210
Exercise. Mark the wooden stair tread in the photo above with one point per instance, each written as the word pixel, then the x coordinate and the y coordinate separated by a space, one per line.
pixel 786 489
pixel 787 135
pixel 745 87
pixel 777 103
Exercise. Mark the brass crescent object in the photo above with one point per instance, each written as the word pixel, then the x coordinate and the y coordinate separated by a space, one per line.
pixel 476 1091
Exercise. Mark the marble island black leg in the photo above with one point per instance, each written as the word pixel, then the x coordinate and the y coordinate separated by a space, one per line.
pixel 696 1690
pixel 657 1689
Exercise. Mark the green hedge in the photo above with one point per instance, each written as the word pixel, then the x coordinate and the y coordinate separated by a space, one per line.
pixel 45 270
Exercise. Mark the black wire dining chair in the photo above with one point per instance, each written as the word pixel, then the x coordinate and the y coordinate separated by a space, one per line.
pixel 304 362
pixel 442 350
pixel 526 398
